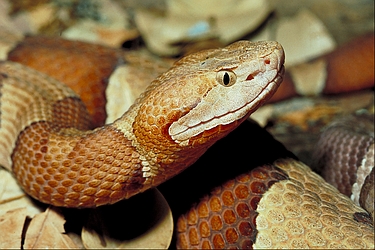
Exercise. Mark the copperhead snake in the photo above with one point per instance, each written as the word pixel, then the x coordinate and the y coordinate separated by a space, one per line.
pixel 208 95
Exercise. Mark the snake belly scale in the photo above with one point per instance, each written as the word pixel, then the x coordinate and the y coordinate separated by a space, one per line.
pixel 46 137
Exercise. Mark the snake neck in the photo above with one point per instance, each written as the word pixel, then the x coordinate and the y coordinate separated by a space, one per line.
pixel 146 124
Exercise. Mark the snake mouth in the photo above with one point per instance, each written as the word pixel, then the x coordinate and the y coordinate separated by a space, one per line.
pixel 185 128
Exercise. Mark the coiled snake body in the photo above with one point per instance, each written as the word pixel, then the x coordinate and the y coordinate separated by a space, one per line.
pixel 198 101
pixel 46 141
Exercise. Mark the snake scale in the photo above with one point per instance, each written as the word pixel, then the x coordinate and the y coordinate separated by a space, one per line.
pixel 47 142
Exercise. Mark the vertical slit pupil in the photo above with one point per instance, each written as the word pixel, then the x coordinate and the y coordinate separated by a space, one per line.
pixel 226 78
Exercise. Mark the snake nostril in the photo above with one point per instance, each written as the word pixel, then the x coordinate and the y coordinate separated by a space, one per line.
pixel 267 61
pixel 250 77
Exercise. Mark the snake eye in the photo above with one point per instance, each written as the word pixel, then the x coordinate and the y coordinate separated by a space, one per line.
pixel 226 78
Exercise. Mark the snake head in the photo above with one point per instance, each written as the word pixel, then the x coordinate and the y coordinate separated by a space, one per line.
pixel 230 84
pixel 199 100
pixel 206 95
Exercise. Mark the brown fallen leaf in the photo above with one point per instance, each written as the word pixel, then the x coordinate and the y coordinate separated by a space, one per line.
pixel 46 230
pixel 195 20
pixel 144 221
pixel 13 197
pixel 11 226
pixel 111 29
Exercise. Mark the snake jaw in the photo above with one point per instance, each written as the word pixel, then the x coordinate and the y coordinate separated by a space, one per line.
pixel 225 105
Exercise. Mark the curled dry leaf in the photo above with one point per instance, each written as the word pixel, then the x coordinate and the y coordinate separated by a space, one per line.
pixel 13 197
pixel 313 37
pixel 11 226
pixel 144 221
pixel 46 230
pixel 111 27
pixel 194 20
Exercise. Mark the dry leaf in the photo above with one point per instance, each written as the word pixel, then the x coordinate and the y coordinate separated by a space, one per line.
pixel 11 226
pixel 304 37
pixel 46 230
pixel 13 197
pixel 144 221
pixel 9 188
pixel 111 29
pixel 192 20
pixel 15 24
